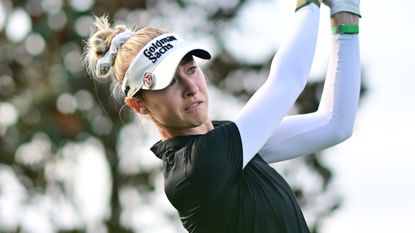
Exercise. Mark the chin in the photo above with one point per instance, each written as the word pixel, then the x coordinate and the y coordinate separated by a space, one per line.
pixel 199 121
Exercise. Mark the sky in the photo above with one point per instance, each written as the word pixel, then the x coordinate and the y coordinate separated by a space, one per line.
pixel 374 169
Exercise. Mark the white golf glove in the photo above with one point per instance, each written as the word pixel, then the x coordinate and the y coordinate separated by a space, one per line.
pixel 336 6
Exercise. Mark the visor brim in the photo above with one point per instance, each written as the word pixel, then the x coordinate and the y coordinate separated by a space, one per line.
pixel 163 74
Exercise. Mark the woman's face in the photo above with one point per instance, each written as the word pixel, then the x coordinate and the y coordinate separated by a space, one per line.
pixel 182 107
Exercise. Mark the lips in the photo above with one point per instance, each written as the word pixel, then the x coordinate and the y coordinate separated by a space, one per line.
pixel 193 105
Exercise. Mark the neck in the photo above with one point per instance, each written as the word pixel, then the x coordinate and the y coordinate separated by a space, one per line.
pixel 170 132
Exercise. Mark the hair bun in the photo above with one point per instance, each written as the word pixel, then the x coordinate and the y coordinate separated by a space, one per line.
pixel 98 45
pixel 104 64
pixel 103 60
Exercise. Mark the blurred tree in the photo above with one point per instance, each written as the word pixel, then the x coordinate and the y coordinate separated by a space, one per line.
pixel 50 109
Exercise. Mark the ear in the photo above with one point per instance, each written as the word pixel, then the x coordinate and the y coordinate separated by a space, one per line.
pixel 136 104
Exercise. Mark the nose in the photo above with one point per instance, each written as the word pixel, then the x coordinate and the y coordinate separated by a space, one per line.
pixel 190 87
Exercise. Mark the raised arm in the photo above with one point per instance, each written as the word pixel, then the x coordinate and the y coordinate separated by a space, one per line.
pixel 288 75
pixel 333 122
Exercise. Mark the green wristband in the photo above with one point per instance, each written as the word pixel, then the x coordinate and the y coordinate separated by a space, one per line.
pixel 345 29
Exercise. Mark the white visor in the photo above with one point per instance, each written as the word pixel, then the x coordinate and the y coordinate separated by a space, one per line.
pixel 155 65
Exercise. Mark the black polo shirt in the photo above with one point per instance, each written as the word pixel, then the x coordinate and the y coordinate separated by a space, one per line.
pixel 205 182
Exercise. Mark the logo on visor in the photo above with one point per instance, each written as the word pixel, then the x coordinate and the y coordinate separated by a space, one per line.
pixel 158 48
pixel 148 80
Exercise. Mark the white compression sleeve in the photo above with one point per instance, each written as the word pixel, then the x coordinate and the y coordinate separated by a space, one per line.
pixel 288 75
pixel 333 122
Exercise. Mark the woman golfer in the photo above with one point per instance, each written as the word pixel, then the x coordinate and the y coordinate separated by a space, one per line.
pixel 216 172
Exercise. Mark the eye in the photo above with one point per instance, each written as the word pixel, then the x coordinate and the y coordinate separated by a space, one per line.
pixel 192 69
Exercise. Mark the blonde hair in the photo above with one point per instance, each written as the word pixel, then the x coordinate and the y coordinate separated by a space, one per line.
pixel 99 43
